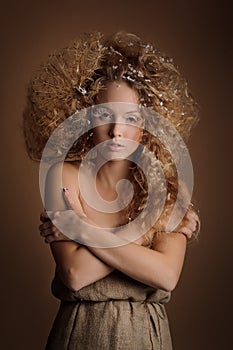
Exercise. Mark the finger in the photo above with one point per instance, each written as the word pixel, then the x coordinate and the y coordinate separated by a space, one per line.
pixel 73 202
pixel 194 218
pixel 45 225
pixel 186 224
pixel 186 231
pixel 49 239
pixel 187 220
pixel 67 197
pixel 46 233
pixel 192 225
pixel 44 216
pixel 49 231
pixel 53 238
pixel 56 234
pixel 193 214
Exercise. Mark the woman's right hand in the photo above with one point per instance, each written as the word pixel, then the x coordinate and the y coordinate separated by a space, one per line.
pixel 49 231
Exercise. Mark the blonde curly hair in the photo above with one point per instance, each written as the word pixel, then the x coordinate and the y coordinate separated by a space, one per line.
pixel 71 80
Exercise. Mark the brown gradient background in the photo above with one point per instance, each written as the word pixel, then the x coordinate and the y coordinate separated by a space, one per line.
pixel 198 36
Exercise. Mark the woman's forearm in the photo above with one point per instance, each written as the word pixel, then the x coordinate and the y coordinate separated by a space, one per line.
pixel 158 268
pixel 77 266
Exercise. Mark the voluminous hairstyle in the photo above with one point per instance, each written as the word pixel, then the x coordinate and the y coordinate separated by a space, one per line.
pixel 71 79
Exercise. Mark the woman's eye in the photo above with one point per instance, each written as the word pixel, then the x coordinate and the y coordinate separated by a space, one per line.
pixel 132 119
pixel 105 116
pixel 102 114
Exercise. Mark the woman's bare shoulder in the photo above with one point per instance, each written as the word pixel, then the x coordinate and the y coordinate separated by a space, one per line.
pixel 59 176
pixel 66 168
pixel 67 172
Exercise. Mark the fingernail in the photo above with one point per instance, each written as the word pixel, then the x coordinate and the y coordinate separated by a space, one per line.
pixel 65 189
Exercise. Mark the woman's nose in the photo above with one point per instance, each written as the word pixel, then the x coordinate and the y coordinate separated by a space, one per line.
pixel 116 130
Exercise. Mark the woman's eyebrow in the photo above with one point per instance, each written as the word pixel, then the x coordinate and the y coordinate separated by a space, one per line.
pixel 99 107
pixel 136 111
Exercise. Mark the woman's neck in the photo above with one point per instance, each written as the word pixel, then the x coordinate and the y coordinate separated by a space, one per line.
pixel 112 172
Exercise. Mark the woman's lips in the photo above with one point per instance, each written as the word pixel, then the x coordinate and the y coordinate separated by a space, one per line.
pixel 116 147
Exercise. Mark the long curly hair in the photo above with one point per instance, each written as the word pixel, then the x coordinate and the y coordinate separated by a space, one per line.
pixel 71 80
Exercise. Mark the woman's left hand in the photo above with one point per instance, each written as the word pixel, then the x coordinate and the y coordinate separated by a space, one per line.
pixel 188 225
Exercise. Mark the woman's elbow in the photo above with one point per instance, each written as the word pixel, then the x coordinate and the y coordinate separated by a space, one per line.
pixel 169 286
pixel 71 279
pixel 168 281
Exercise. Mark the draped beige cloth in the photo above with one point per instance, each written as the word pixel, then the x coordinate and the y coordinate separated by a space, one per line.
pixel 114 313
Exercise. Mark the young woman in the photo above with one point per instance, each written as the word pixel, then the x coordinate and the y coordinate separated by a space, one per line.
pixel 112 294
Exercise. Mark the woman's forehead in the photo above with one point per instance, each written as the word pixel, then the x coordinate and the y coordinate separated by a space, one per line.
pixel 118 91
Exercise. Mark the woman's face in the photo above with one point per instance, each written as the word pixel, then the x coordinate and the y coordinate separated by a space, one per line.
pixel 116 119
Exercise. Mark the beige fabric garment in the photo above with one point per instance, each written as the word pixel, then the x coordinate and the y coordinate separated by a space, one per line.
pixel 114 313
